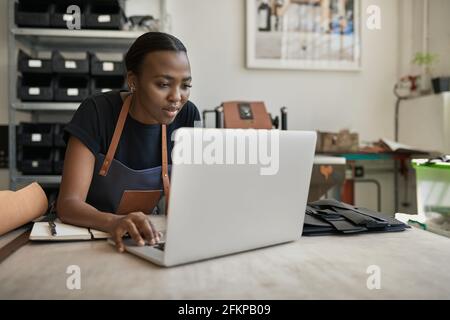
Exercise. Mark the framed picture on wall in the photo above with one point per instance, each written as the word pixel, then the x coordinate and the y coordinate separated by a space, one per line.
pixel 304 34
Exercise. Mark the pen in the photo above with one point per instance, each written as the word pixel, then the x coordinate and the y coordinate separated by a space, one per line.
pixel 52 226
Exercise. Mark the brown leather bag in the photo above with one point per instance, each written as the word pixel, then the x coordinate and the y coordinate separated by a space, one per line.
pixel 245 115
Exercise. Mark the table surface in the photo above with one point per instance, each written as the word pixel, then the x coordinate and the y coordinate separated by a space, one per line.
pixel 413 264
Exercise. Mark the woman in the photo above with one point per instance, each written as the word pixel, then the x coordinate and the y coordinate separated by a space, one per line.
pixel 120 141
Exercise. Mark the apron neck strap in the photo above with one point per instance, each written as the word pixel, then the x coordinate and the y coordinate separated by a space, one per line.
pixel 164 171
pixel 116 136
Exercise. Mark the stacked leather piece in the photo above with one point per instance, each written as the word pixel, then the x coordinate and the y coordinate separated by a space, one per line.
pixel 325 217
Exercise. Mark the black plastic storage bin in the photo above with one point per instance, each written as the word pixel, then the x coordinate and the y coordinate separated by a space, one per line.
pixel 58 135
pixel 58 160
pixel 101 84
pixel 441 84
pixel 59 16
pixel 63 65
pixel 35 160
pixel 35 87
pixel 4 138
pixel 105 14
pixel 28 64
pixel 71 87
pixel 35 134
pixel 106 67
pixel 32 13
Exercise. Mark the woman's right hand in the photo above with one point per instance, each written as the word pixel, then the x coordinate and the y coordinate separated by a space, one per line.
pixel 138 226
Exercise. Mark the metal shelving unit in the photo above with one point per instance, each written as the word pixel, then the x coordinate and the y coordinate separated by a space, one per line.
pixel 45 106
pixel 111 40
pixel 46 33
pixel 36 39
pixel 43 179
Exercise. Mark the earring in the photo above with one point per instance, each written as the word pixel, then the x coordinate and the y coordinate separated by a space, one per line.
pixel 132 89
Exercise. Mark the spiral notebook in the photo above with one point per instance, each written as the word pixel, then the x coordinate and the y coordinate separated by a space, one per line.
pixel 59 231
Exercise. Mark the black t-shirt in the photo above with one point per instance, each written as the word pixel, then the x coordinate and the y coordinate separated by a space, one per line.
pixel 140 144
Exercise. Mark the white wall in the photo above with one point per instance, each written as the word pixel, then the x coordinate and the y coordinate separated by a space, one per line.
pixel 214 33
pixel 439 36
pixel 412 39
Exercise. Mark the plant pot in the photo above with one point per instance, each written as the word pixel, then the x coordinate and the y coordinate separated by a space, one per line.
pixel 441 84
pixel 425 83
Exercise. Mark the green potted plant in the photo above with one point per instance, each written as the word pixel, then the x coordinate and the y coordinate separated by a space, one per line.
pixel 425 60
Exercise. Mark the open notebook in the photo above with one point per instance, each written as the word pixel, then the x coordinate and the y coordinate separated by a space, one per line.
pixel 394 146
pixel 43 231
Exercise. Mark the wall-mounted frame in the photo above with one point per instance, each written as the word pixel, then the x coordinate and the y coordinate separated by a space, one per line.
pixel 304 34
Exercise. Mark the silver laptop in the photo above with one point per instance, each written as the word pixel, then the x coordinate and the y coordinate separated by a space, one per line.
pixel 233 190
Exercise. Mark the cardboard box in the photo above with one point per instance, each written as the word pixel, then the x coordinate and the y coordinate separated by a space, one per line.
pixel 343 141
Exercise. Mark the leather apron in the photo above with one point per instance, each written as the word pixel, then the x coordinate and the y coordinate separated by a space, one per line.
pixel 116 188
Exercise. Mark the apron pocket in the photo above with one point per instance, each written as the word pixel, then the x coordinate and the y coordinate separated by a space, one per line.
pixel 139 200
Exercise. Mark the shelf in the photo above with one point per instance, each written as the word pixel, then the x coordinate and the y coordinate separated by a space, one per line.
pixel 46 106
pixel 322 159
pixel 444 95
pixel 75 38
pixel 66 33
pixel 39 179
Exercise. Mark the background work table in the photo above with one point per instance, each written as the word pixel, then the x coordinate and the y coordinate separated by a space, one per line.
pixel 414 265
